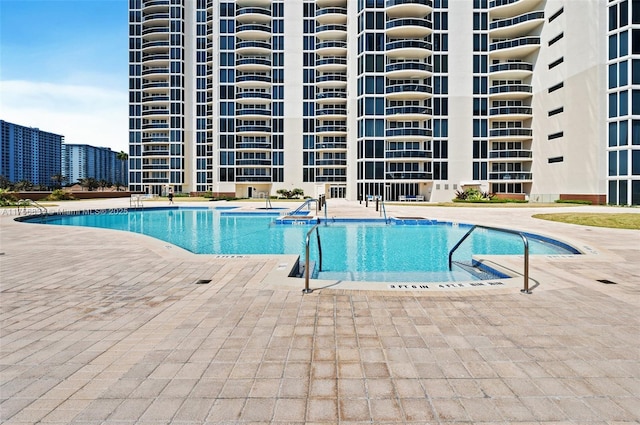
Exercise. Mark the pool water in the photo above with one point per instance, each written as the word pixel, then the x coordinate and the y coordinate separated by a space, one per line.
pixel 351 250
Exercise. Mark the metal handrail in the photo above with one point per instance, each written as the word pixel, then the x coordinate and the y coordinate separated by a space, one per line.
pixel 305 204
pixel 41 208
pixel 384 211
pixel 525 241
pixel 306 289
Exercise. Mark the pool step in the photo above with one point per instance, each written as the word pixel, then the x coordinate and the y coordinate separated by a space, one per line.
pixel 473 270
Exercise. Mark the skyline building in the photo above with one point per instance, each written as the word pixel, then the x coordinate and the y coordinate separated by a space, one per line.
pixel 81 161
pixel 30 154
pixel 394 98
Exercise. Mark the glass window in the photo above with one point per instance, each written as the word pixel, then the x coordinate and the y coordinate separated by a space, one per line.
pixel 635 102
pixel 613 163
pixel 624 104
pixel 635 162
pixel 613 17
pixel 613 192
pixel 635 132
pixel 613 105
pixel 613 46
pixel 624 44
pixel 623 138
pixel 635 71
pixel 613 75
pixel 635 11
pixel 624 13
pixel 623 78
pixel 613 133
pixel 623 168
pixel 635 41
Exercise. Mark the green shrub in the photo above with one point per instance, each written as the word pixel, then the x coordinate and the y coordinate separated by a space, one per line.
pixel 573 201
pixel 59 195
pixel 7 199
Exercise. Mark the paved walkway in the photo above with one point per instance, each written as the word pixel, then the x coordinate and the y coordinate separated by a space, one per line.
pixel 107 327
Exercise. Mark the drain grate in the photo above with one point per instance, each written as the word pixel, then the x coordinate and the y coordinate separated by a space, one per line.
pixel 606 282
pixel 202 281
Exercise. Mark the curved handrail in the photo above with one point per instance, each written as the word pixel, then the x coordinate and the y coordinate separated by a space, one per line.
pixel 525 241
pixel 306 289
pixel 304 204
pixel 28 202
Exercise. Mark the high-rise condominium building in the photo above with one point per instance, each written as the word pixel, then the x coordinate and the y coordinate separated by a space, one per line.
pixel 83 161
pixel 397 98
pixel 29 154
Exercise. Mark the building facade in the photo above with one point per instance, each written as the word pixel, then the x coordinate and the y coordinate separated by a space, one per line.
pixel 29 154
pixel 85 161
pixel 396 98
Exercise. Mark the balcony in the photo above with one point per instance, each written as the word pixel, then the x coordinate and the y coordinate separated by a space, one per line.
pixel 155 87
pixel 257 3
pixel 157 112
pixel 408 70
pixel 253 80
pixel 253 97
pixel 251 146
pixel 331 64
pixel 257 179
pixel 252 47
pixel 156 71
pixel 155 152
pixel 331 162
pixel 510 49
pixel 331 130
pixel 511 175
pixel 155 46
pixel 153 33
pixel 408 28
pixel 155 126
pixel 408 133
pixel 258 130
pixel 330 146
pixel 331 179
pixel 157 99
pixel 511 133
pixel 331 97
pixel 331 32
pixel 332 48
pixel 253 32
pixel 510 91
pixel 160 19
pixel 331 80
pixel 408 113
pixel 408 49
pixel 516 27
pixel 331 113
pixel 253 63
pixel 253 162
pixel 509 8
pixel 331 15
pixel 511 113
pixel 511 70
pixel 525 155
pixel 155 140
pixel 253 112
pixel 408 175
pixel 261 15
pixel 408 91
pixel 408 155
pixel 408 7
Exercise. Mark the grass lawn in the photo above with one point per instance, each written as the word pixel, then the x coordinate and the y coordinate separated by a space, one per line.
pixel 612 220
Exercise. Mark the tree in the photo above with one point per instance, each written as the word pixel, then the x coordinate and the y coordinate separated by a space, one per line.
pixel 58 179
pixel 23 185
pixel 123 157
pixel 89 182
pixel 5 183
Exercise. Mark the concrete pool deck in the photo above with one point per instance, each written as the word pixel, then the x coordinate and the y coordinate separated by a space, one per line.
pixel 108 327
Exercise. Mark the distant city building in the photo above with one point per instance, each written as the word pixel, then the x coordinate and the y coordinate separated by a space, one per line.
pixel 29 154
pixel 85 161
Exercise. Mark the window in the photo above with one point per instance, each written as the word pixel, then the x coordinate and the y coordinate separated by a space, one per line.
pixel 556 63
pixel 555 15
pixel 556 87
pixel 556 38
pixel 555 159
pixel 555 135
pixel 556 111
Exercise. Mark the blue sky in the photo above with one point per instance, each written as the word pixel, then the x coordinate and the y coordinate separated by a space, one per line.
pixel 63 68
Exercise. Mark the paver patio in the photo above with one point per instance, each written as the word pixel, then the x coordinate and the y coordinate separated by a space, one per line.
pixel 108 327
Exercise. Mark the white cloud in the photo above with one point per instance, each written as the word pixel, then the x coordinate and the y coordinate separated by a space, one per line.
pixel 83 114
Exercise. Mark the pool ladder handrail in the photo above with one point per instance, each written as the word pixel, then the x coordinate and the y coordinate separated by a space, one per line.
pixel 29 202
pixel 304 204
pixel 383 210
pixel 525 241
pixel 306 289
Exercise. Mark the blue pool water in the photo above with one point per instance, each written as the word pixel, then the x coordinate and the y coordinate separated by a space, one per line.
pixel 352 250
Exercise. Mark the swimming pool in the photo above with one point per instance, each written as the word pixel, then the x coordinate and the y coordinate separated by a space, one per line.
pixel 354 250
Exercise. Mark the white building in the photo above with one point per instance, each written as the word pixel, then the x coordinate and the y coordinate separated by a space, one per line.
pixel 398 98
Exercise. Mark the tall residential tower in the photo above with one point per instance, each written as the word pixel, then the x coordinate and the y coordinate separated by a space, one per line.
pixel 396 98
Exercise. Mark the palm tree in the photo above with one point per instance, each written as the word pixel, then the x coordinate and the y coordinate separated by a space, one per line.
pixel 23 185
pixel 89 182
pixel 122 156
pixel 58 179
